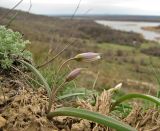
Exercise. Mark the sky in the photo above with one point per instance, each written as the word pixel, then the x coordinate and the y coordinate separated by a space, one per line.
pixel 57 7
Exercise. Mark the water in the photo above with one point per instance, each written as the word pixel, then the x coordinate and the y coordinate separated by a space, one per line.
pixel 134 27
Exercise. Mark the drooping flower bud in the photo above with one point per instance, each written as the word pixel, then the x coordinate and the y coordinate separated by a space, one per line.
pixel 73 74
pixel 88 57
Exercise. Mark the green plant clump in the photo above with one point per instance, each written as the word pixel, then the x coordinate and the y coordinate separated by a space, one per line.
pixel 12 47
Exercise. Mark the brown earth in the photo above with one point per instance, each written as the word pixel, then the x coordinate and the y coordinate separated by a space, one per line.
pixel 24 109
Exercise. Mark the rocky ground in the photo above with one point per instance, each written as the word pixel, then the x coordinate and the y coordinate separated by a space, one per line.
pixel 24 108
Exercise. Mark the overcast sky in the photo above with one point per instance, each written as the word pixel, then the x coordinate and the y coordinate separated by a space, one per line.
pixel 132 7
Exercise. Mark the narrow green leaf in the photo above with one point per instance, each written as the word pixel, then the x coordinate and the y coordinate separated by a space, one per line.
pixel 92 116
pixel 131 96
pixel 39 76
pixel 69 95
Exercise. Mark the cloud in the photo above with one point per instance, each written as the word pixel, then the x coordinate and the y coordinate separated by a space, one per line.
pixel 148 7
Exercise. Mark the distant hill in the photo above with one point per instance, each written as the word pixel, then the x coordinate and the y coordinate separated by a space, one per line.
pixel 44 28
pixel 119 17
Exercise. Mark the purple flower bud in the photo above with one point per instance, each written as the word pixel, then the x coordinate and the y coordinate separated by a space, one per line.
pixel 73 74
pixel 88 57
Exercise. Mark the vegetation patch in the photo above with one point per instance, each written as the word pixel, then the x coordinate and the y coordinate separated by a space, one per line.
pixel 47 27
pixel 155 51
pixel 102 34
pixel 12 48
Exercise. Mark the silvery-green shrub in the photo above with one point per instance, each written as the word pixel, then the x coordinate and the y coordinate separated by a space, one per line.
pixel 12 47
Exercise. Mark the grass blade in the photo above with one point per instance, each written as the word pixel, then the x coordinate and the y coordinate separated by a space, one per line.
pixel 131 96
pixel 92 116
pixel 39 76
pixel 69 95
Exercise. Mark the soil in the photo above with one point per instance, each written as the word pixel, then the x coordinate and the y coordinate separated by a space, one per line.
pixel 24 109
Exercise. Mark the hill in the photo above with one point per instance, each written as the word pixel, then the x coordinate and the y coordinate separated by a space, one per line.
pixel 123 59
pixel 82 29
pixel 138 18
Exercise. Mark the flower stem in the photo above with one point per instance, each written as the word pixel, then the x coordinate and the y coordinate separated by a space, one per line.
pixel 65 62
pixel 53 96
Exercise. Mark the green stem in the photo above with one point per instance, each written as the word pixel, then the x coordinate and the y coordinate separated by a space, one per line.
pixel 53 96
pixel 131 96
pixel 91 116
pixel 65 62
pixel 70 95
pixel 52 59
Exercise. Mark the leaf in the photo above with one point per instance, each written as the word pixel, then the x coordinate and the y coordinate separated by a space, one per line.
pixel 135 95
pixel 91 116
pixel 39 76
pixel 69 95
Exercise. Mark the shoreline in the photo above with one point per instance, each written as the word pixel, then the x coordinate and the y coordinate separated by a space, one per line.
pixel 152 28
pixel 155 29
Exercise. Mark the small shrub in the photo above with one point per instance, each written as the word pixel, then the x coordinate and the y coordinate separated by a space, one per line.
pixel 119 53
pixel 137 68
pixel 143 62
pixel 12 47
pixel 125 59
pixel 133 61
pixel 155 51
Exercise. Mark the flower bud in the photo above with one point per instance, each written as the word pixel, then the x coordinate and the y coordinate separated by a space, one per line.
pixel 88 57
pixel 117 87
pixel 73 74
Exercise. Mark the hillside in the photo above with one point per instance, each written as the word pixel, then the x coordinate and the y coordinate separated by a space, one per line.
pixel 138 18
pixel 92 75
pixel 121 55
pixel 82 29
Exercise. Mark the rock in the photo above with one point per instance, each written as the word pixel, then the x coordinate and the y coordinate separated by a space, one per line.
pixel 84 125
pixel 2 122
pixel 3 99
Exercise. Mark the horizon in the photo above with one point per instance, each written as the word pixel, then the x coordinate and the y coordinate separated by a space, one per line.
pixel 98 14
pixel 88 7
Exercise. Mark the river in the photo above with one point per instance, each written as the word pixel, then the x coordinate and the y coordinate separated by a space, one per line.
pixel 134 27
